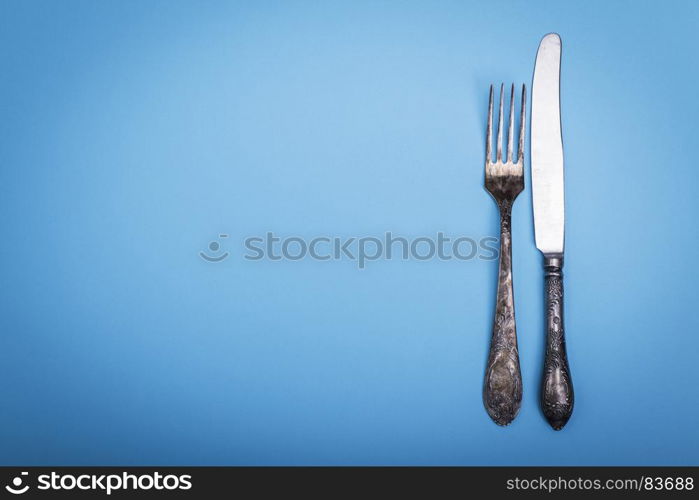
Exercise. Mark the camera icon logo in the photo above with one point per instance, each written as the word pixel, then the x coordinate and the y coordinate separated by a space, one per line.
pixel 215 248
pixel 16 488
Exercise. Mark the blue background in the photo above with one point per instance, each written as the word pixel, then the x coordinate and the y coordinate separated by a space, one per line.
pixel 133 133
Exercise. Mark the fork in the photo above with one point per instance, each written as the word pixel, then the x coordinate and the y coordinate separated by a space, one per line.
pixel 504 180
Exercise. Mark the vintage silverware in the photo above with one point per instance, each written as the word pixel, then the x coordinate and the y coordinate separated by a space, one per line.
pixel 547 195
pixel 504 180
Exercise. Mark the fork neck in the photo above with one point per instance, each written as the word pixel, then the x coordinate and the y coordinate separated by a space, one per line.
pixel 505 207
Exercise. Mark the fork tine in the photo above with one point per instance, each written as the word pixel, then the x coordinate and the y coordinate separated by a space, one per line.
pixel 498 153
pixel 522 123
pixel 511 126
pixel 489 129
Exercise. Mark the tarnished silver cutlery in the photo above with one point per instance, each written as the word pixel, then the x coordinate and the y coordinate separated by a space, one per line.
pixel 547 197
pixel 504 180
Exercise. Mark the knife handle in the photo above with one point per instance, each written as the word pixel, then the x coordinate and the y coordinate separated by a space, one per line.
pixel 557 388
pixel 502 390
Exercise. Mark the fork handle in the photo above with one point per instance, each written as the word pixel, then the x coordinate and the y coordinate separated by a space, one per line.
pixel 502 391
pixel 557 388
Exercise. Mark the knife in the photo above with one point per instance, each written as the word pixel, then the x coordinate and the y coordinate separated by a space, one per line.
pixel 547 198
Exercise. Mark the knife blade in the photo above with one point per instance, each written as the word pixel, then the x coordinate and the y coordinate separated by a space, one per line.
pixel 547 148
pixel 548 205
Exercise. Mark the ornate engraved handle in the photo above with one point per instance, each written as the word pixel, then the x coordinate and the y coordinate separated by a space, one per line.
pixel 502 391
pixel 557 390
